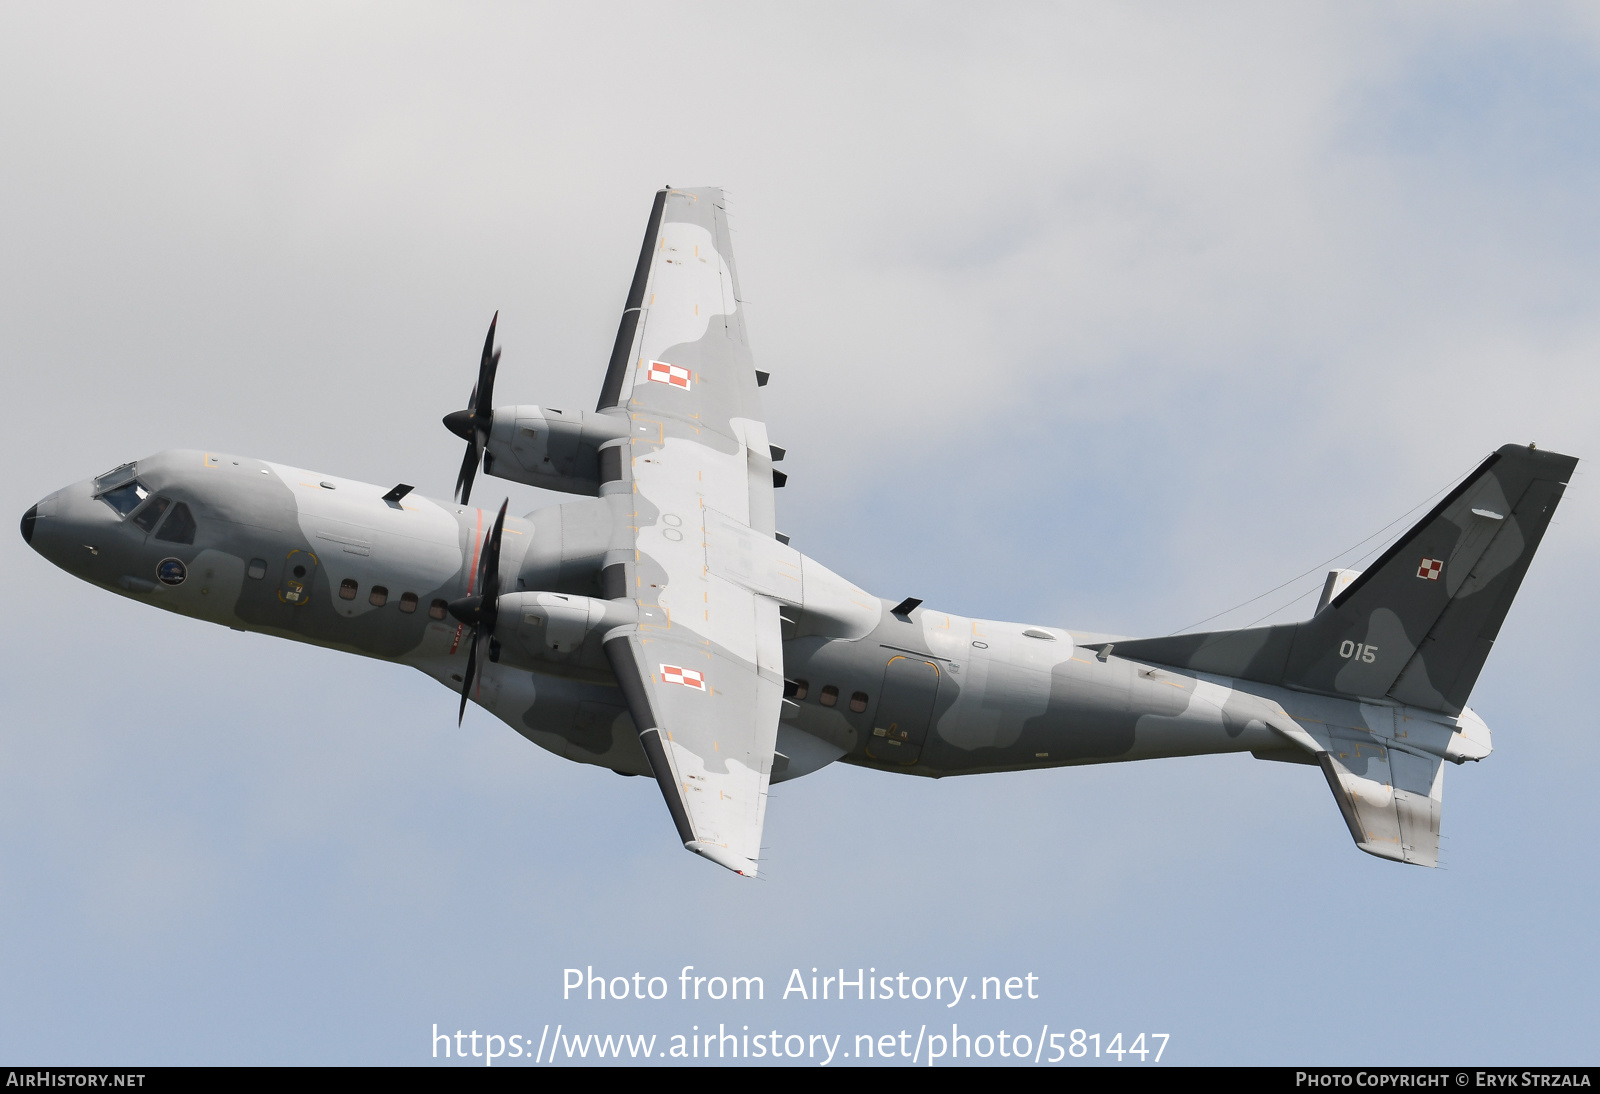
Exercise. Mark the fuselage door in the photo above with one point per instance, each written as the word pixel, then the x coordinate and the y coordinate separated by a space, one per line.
pixel 905 709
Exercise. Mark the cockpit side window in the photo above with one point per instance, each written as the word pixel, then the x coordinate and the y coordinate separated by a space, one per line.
pixel 147 517
pixel 179 526
pixel 125 498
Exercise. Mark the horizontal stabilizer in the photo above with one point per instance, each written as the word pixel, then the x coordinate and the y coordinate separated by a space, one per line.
pixel 1389 798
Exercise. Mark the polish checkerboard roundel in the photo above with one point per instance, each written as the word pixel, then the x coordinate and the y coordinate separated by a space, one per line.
pixel 691 678
pixel 1430 569
pixel 663 373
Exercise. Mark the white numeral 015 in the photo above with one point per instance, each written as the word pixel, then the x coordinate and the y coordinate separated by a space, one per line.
pixel 1349 649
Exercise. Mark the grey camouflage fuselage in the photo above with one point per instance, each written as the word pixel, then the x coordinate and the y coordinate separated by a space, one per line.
pixel 927 694
pixel 973 695
pixel 659 626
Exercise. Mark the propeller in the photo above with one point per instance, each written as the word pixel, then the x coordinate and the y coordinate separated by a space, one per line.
pixel 481 610
pixel 473 424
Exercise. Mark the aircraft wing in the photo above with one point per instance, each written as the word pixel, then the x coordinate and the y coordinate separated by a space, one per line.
pixel 692 487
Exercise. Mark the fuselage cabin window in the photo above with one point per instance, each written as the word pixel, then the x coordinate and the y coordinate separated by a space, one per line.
pixel 438 609
pixel 795 689
pixel 408 602
pixel 347 589
pixel 378 597
pixel 257 568
pixel 830 695
pixel 858 702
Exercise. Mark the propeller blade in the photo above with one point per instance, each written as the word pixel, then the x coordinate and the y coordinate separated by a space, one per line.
pixel 489 565
pixel 483 393
pixel 482 608
pixel 469 470
pixel 474 423
pixel 469 677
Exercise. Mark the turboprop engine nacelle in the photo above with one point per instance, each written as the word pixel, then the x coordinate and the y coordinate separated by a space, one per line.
pixel 549 448
pixel 561 628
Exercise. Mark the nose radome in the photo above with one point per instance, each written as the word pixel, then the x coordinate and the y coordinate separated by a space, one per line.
pixel 28 520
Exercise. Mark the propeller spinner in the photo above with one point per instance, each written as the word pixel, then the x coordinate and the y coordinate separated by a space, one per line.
pixel 474 423
pixel 481 610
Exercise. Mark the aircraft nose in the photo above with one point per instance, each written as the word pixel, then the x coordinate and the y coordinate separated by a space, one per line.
pixel 60 526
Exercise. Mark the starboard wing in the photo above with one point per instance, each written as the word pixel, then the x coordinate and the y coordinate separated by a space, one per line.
pixel 702 673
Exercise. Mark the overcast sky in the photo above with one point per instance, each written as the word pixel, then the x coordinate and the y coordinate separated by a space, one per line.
pixel 1099 316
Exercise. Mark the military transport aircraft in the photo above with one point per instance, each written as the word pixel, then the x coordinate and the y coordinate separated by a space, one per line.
pixel 659 624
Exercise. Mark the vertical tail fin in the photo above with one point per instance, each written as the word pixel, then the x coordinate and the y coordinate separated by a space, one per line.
pixel 1419 622
pixel 1416 625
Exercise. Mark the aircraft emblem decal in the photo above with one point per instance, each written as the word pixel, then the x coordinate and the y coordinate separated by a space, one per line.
pixel 663 373
pixel 1430 569
pixel 689 678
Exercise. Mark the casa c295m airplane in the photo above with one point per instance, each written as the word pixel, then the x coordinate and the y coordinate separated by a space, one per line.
pixel 659 625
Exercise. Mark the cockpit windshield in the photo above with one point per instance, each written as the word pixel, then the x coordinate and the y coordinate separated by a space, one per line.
pixel 125 498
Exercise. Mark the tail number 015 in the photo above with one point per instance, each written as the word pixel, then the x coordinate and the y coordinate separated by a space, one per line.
pixel 1349 649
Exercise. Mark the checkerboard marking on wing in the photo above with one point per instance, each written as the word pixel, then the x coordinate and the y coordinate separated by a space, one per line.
pixel 663 373
pixel 692 678
pixel 1430 569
